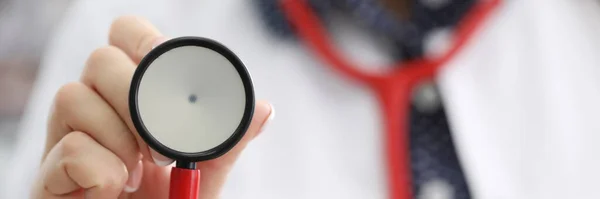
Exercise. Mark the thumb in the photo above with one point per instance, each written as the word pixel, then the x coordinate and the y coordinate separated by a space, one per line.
pixel 214 172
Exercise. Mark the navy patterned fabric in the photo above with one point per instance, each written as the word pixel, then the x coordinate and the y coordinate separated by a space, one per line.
pixel 432 152
pixel 433 155
pixel 274 18
pixel 428 17
pixel 408 35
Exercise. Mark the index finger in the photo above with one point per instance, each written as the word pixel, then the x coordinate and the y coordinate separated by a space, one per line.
pixel 134 35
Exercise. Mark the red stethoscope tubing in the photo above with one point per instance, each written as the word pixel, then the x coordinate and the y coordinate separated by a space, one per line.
pixel 184 183
pixel 393 89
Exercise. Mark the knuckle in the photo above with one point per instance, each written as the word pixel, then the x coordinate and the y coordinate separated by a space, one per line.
pixel 144 44
pixel 67 95
pixel 73 142
pixel 114 182
pixel 101 54
pixel 120 22
pixel 139 40
pixel 97 59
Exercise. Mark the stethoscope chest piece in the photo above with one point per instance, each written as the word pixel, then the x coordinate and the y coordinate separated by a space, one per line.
pixel 191 99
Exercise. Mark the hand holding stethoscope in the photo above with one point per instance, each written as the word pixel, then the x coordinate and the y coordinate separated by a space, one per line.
pixel 92 147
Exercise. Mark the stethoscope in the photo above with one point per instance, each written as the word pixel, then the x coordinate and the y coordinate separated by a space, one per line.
pixel 191 99
pixel 393 88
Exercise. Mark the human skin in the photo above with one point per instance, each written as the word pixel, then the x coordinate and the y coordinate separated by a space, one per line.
pixel 92 148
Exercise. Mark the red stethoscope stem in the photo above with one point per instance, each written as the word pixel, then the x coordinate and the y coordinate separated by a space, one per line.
pixel 185 183
pixel 393 89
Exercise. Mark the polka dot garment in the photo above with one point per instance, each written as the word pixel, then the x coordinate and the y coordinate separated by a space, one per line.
pixel 434 162
pixel 274 18
pixel 435 167
pixel 408 35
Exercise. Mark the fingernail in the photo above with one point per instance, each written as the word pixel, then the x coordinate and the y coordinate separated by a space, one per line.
pixel 135 178
pixel 268 121
pixel 159 41
pixel 271 115
pixel 159 159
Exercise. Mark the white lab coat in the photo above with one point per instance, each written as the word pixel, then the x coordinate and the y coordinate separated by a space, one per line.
pixel 523 98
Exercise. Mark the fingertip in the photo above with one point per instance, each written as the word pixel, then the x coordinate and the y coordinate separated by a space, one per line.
pixel 134 35
pixel 135 178
pixel 271 114
pixel 267 122
pixel 265 113
pixel 160 159
pixel 262 109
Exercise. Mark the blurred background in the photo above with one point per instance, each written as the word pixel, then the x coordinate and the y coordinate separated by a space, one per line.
pixel 25 26
pixel 527 101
